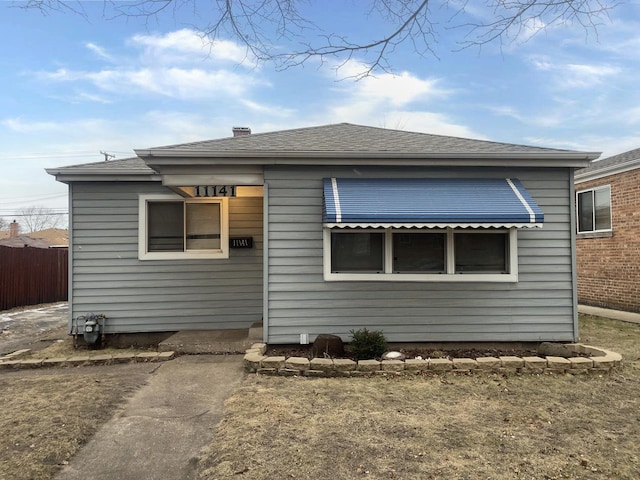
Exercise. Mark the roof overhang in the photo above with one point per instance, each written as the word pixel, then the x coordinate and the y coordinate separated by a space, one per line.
pixel 69 175
pixel 159 158
pixel 595 174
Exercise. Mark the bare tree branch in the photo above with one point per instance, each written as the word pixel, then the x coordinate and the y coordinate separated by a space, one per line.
pixel 522 19
pixel 267 28
pixel 38 218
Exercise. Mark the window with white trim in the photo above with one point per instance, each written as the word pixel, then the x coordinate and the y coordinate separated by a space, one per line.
pixel 173 227
pixel 415 254
pixel 594 209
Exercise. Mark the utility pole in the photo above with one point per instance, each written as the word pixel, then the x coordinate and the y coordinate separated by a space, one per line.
pixel 107 156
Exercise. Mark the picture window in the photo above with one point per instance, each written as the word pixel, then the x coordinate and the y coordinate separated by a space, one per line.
pixel 174 227
pixel 414 254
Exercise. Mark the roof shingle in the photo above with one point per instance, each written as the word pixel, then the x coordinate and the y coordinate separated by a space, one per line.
pixel 350 138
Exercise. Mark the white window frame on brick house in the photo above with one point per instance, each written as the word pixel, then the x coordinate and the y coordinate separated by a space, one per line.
pixel 184 252
pixel 602 191
pixel 450 273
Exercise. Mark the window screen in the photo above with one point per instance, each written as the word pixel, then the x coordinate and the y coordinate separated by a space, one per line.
pixel 419 252
pixel 481 252
pixel 357 252
pixel 203 226
pixel 165 226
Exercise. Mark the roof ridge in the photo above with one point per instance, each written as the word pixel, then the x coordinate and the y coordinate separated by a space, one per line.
pixel 244 139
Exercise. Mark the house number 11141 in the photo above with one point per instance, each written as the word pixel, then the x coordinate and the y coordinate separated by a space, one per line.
pixel 215 191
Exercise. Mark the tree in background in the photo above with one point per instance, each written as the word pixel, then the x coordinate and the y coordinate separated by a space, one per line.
pixel 286 33
pixel 36 218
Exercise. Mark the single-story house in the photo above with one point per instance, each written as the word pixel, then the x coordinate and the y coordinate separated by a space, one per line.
pixel 608 232
pixel 326 230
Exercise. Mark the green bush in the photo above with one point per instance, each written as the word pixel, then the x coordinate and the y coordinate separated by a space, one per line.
pixel 365 344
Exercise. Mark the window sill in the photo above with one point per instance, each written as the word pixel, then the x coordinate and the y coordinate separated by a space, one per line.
pixel 219 255
pixel 606 234
pixel 416 277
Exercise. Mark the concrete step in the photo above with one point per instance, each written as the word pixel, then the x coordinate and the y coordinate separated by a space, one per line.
pixel 208 342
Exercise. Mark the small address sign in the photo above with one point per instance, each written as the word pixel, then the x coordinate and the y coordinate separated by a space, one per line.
pixel 215 191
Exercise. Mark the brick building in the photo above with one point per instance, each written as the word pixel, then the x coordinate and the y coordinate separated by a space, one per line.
pixel 608 232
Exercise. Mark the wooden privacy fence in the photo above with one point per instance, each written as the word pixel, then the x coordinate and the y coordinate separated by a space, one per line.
pixel 29 276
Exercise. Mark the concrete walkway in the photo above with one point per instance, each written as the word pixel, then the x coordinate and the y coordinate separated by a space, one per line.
pixel 163 427
pixel 607 313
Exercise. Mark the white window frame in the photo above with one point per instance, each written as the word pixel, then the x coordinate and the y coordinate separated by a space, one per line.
pixel 593 212
pixel 145 254
pixel 450 276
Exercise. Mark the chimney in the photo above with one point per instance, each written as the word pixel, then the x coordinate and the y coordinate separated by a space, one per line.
pixel 14 229
pixel 241 131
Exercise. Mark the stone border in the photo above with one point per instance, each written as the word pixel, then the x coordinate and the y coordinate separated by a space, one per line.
pixel 15 360
pixel 599 361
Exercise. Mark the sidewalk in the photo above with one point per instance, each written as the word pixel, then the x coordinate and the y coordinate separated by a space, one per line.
pixel 607 313
pixel 163 427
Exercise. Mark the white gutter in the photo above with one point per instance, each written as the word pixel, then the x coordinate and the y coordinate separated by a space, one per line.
pixel 607 171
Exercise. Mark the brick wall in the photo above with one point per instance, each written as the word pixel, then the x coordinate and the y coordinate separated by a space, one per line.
pixel 609 267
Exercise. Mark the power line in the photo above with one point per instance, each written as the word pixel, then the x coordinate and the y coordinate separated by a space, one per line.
pixel 11 200
pixel 32 214
pixel 36 156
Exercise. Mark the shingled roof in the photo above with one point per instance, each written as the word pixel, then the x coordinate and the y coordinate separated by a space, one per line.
pixel 341 143
pixel 344 138
pixel 610 166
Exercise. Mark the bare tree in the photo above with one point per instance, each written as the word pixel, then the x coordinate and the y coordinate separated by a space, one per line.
pixel 37 218
pixel 267 27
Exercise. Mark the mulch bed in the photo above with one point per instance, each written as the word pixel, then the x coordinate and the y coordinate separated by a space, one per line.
pixel 411 352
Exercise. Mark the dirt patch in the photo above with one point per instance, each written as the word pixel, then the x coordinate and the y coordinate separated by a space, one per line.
pixel 34 327
pixel 459 427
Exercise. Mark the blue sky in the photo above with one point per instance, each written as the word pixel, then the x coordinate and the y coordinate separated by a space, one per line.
pixel 73 86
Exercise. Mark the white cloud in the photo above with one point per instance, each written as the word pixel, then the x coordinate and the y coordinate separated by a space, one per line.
pixel 187 46
pixel 174 82
pixel 428 122
pixel 400 101
pixel 80 127
pixel 381 93
pixel 547 119
pixel 395 89
pixel 99 51
pixel 177 65
pixel 275 111
pixel 575 75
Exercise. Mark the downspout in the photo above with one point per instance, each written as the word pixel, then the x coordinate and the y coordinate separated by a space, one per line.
pixel 265 263
pixel 70 259
pixel 574 263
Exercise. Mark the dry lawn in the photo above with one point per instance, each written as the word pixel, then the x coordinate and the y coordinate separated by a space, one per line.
pixel 46 416
pixel 453 427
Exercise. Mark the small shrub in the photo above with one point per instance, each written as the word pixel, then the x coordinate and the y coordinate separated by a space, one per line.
pixel 366 344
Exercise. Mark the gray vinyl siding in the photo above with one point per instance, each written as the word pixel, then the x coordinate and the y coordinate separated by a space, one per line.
pixel 159 295
pixel 540 306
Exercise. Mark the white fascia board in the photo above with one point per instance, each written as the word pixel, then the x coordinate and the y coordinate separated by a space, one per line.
pixel 575 160
pixel 94 177
pixel 607 171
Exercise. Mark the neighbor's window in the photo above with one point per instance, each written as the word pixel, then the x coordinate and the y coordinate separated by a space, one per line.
pixel 594 210
pixel 413 254
pixel 172 227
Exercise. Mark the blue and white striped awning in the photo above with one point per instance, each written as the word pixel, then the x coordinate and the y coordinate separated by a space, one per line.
pixel 429 203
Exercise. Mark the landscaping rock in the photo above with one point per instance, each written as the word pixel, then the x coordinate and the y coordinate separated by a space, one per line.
pixel 326 345
pixel 393 356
